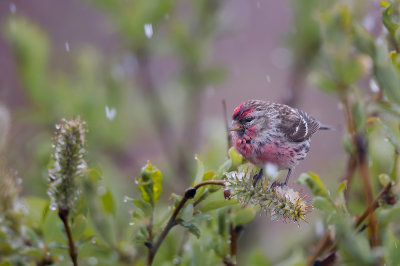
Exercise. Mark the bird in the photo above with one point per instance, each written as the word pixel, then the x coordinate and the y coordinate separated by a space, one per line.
pixel 273 133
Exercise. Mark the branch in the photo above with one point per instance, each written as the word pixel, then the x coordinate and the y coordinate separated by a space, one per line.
pixel 189 194
pixel 324 241
pixel 225 114
pixel 360 144
pixel 63 214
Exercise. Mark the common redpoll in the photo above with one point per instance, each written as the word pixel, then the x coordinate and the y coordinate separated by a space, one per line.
pixel 272 134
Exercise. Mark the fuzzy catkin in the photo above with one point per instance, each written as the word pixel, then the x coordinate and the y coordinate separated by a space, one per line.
pixel 282 202
pixel 69 163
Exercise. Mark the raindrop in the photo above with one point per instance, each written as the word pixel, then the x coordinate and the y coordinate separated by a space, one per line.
pixel 271 170
pixel 101 190
pixel 110 113
pixel 93 240
pixel 92 261
pixel 53 206
pixel 131 223
pixel 395 244
pixel 13 8
pixel 67 47
pixel 148 30
pixel 386 139
pixel 268 79
pixel 373 86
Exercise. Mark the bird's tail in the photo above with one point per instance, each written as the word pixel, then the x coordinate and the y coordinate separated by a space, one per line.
pixel 326 127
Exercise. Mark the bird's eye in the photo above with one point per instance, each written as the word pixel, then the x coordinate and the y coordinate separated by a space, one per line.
pixel 248 119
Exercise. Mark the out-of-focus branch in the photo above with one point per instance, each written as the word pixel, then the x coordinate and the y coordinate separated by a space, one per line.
pixel 159 115
pixel 324 241
pixel 189 194
pixel 225 114
pixel 359 143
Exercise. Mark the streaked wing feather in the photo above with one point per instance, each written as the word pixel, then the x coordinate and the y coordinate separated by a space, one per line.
pixel 297 125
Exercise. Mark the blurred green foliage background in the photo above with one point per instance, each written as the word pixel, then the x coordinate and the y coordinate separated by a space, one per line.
pixel 155 92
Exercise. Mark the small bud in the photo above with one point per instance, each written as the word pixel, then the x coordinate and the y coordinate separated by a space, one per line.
pixel 190 193
pixel 227 194
pixel 69 163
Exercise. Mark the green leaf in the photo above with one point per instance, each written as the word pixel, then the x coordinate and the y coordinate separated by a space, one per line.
pixel 387 19
pixel 108 202
pixel 341 188
pixel 386 216
pixel 384 179
pixel 391 250
pixel 242 216
pixel 190 227
pixel 364 41
pixel 79 226
pixel 359 114
pixel 323 204
pixel 324 82
pixel 200 171
pixel 386 74
pixel 313 181
pixel 389 133
pixel 236 158
pixel 187 212
pixel 150 184
pixel 209 206
pixel 144 206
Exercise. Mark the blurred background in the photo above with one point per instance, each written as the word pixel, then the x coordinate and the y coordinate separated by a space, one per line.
pixel 149 77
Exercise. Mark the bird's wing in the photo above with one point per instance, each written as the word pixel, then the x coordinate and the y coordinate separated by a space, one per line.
pixel 297 125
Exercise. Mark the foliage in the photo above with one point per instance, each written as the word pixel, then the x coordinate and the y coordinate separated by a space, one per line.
pixel 202 224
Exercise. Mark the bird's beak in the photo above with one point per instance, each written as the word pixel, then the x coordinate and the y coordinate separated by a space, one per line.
pixel 236 127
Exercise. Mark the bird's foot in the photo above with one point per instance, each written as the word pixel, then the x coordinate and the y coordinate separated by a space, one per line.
pixel 257 178
pixel 277 184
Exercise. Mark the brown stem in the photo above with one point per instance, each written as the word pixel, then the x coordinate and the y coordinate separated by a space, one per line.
pixel 189 194
pixel 234 232
pixel 321 246
pixel 323 243
pixel 63 214
pixel 360 145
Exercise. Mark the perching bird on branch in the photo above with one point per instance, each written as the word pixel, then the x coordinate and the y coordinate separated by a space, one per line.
pixel 273 134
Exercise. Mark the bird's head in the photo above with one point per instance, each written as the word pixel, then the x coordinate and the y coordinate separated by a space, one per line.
pixel 247 118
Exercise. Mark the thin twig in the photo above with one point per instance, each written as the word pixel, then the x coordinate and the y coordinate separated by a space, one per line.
pixel 225 114
pixel 323 243
pixel 189 194
pixel 321 246
pixel 63 214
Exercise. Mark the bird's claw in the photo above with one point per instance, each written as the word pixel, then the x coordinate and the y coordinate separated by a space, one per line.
pixel 257 178
pixel 277 184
